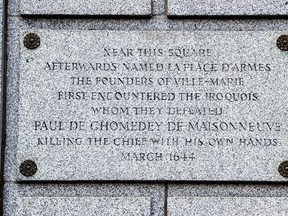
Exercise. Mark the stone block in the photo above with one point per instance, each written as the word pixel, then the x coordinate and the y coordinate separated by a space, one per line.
pixel 78 206
pixel 227 206
pixel 227 8
pixel 87 7
pixel 168 105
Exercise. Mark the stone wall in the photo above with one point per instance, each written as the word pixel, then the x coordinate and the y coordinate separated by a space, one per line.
pixel 257 189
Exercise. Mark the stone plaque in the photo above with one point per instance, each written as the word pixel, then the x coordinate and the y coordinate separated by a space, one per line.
pixel 86 7
pixel 224 206
pixel 153 105
pixel 227 7
pixel 78 206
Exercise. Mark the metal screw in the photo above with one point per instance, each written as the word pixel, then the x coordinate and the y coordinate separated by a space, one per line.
pixel 28 168
pixel 282 42
pixel 283 169
pixel 31 41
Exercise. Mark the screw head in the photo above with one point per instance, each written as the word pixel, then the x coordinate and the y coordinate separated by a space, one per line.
pixel 282 42
pixel 31 41
pixel 283 169
pixel 28 168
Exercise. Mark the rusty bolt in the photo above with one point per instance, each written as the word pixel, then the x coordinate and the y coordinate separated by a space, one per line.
pixel 283 169
pixel 282 42
pixel 31 41
pixel 28 168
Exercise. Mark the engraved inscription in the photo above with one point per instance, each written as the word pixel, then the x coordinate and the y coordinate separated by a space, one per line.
pixel 154 105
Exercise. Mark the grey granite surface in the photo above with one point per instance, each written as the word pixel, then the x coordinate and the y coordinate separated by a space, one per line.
pixel 160 22
pixel 133 197
pixel 216 103
pixel 227 8
pixel 86 7
pixel 79 206
pixel 224 189
pixel 197 193
pixel 227 206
